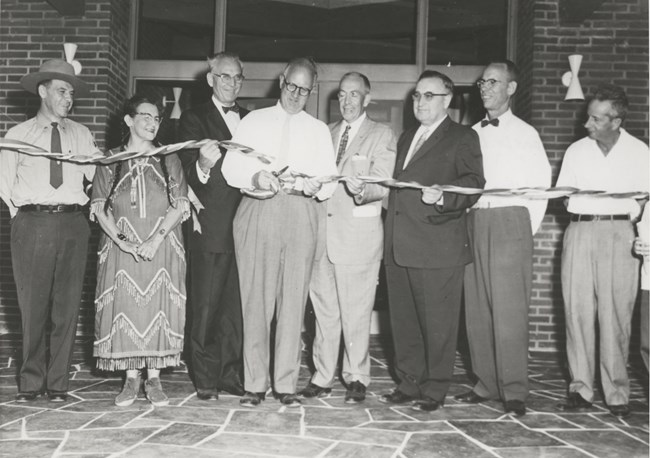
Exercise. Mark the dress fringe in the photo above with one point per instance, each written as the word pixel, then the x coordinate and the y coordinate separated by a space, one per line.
pixel 141 299
pixel 138 362
pixel 141 341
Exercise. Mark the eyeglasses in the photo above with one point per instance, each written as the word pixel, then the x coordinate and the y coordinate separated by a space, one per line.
pixel 486 84
pixel 229 79
pixel 303 91
pixel 150 118
pixel 428 96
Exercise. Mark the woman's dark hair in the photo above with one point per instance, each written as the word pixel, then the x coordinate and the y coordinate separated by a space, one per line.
pixel 131 109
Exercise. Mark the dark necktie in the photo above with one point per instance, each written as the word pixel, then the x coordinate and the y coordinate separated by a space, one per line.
pixel 343 144
pixel 234 109
pixel 494 122
pixel 56 168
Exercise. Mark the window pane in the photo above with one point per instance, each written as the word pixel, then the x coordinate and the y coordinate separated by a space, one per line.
pixel 469 32
pixel 175 29
pixel 356 31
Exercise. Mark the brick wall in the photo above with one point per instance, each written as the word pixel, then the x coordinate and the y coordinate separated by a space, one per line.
pixel 612 39
pixel 614 42
pixel 31 31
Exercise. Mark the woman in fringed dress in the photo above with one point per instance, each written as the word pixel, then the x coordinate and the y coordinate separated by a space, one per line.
pixel 140 296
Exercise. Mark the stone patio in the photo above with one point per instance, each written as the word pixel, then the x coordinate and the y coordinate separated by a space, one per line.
pixel 89 425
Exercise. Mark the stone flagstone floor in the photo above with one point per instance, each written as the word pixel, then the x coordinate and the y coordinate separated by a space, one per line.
pixel 89 425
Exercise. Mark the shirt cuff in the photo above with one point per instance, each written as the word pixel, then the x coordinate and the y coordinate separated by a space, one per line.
pixel 203 177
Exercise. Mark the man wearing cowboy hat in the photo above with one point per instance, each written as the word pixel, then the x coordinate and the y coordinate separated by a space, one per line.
pixel 49 232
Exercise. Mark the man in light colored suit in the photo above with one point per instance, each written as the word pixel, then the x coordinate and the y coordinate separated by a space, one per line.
pixel 344 279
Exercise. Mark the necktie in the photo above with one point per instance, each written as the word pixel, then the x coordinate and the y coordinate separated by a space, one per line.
pixel 494 122
pixel 418 145
pixel 56 168
pixel 234 109
pixel 343 144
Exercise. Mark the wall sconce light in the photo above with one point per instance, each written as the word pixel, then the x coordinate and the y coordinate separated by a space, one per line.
pixel 176 109
pixel 570 79
pixel 70 49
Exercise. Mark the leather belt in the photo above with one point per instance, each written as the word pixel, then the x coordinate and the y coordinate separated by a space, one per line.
pixel 581 217
pixel 60 208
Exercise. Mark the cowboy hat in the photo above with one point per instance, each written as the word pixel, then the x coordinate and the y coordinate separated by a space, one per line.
pixel 54 69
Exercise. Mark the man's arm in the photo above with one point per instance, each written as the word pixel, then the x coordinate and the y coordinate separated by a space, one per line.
pixel 383 164
pixel 8 168
pixel 469 171
pixel 190 128
pixel 538 174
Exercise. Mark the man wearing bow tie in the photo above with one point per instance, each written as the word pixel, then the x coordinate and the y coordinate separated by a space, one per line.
pixel 498 284
pixel 216 334
pixel 344 279
pixel 426 245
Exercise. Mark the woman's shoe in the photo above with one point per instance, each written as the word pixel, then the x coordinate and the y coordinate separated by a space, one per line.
pixel 153 390
pixel 129 392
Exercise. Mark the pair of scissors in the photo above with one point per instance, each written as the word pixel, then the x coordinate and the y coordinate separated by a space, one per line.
pixel 280 172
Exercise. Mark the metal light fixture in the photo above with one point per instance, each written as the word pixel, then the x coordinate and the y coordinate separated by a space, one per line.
pixel 570 79
pixel 70 49
pixel 176 109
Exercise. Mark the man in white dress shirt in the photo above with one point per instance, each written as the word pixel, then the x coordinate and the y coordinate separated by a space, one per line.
pixel 498 284
pixel 344 280
pixel 599 271
pixel 276 231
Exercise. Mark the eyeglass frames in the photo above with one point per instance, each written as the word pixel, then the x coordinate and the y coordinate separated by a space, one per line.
pixel 486 84
pixel 303 91
pixel 428 96
pixel 229 79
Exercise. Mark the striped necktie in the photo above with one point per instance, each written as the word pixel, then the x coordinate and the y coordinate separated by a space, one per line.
pixel 343 144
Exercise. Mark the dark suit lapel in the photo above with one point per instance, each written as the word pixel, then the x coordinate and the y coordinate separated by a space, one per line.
pixel 431 142
pixel 402 150
pixel 217 124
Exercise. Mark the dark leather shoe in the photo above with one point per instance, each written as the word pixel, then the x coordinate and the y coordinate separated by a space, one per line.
pixel 57 396
pixel 26 396
pixel 426 404
pixel 516 407
pixel 470 397
pixel 314 391
pixel 620 411
pixel 356 393
pixel 396 397
pixel 234 388
pixel 289 399
pixel 574 403
pixel 207 395
pixel 250 399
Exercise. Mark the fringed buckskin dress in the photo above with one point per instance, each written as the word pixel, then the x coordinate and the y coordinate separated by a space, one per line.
pixel 140 306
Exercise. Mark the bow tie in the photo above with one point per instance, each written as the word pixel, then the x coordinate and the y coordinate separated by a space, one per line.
pixel 494 122
pixel 234 109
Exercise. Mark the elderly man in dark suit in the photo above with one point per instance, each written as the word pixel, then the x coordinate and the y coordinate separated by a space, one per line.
pixel 216 336
pixel 426 244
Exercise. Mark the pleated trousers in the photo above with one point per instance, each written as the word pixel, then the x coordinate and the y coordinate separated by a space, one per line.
pixel 498 288
pixel 275 247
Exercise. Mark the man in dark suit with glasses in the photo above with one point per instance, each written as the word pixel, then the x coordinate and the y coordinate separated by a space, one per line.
pixel 426 246
pixel 216 333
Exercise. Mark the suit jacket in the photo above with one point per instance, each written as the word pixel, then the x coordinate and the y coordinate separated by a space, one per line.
pixel 355 231
pixel 219 199
pixel 433 236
